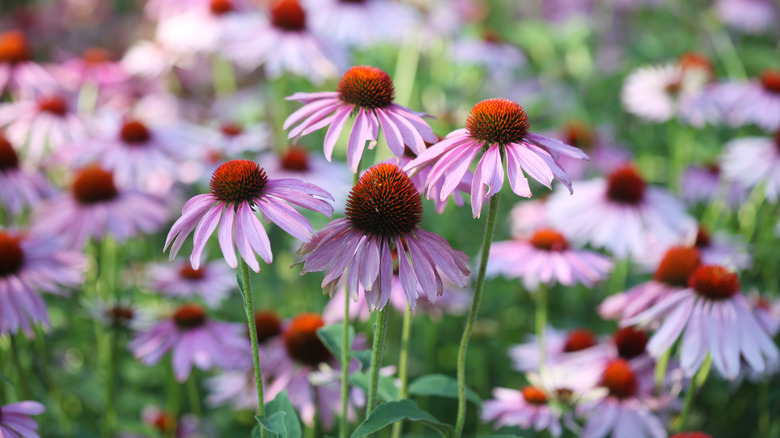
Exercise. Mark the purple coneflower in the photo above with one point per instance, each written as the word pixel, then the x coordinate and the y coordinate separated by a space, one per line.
pixel 282 42
pixel 722 249
pixel 420 178
pixel 28 263
pixel 546 258
pixel 670 277
pixel 362 23
pixel 527 408
pixel 21 188
pixel 750 16
pixel 756 101
pixel 706 184
pixel 384 212
pixel 211 281
pixel 44 121
pixel 751 161
pixel 236 187
pixel 625 411
pixel 15 421
pixel 16 68
pixel 93 67
pixel 621 214
pixel 492 53
pixel 710 316
pixel 194 339
pixel 605 155
pixel 500 128
pixel 368 93
pixel 767 311
pixel 576 345
pixel 95 206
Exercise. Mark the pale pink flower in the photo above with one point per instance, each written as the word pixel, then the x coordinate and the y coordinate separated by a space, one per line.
pixel 753 102
pixel 15 421
pixel 499 127
pixel 17 71
pixel 750 16
pixel 22 188
pixel 198 29
pixel 236 188
pixel 546 258
pixel 194 339
pixel 362 23
pixel 95 207
pixel 498 58
pixel 707 184
pixel 605 155
pixel 710 317
pixel 367 92
pixel 578 346
pixel 93 67
pixel 753 161
pixel 211 281
pixel 621 214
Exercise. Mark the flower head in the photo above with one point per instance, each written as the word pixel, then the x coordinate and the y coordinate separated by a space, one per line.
pixel 211 281
pixel 500 129
pixel 367 92
pixel 237 187
pixel 15 419
pixel 23 188
pixel 383 215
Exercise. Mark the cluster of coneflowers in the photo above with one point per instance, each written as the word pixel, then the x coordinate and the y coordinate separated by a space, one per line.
pixel 97 156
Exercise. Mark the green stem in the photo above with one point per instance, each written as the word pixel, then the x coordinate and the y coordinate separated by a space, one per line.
pixel 24 388
pixel 192 393
pixel 696 383
pixel 50 385
pixel 250 319
pixel 541 323
pixel 345 349
pixel 376 358
pixel 403 363
pixel 110 416
pixel 173 388
pixel 660 370
pixel 490 226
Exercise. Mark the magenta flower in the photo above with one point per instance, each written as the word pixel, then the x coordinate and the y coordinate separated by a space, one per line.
pixel 527 408
pixel 211 281
pixel 621 214
pixel 95 206
pixel 21 188
pixel 93 67
pixel 194 339
pixel 670 277
pixel 15 421
pixel 575 346
pixel 17 71
pixel 500 128
pixel 29 263
pixel 420 178
pixel 236 187
pixel 710 316
pixel 626 409
pixel 707 184
pixel 756 101
pixel 752 161
pixel 546 258
pixel 384 212
pixel 368 93
pixel 605 154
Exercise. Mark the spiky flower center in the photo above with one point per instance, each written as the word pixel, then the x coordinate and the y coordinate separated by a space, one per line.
pixel 119 315
pixel 231 129
pixel 619 379
pixel 288 15
pixel 678 264
pixel 578 134
pixel 55 105
pixel 189 316
pixel 384 202
pixel 366 87
pixel 497 121
pixel 534 395
pixel 714 282
pixel 134 133
pixel 301 340
pixel 11 254
pixel 187 272
pixel 94 185
pixel 626 186
pixel 219 7
pixel 578 340
pixel 238 181
pixel 548 239
pixel 8 157
pixel 296 159
pixel 13 47
pixel 695 61
pixel 630 342
pixel 96 56
pixel 267 325
pixel 770 80
pixel 702 238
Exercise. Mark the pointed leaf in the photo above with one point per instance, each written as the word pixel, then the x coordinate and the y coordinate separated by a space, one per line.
pixel 393 412
pixel 283 404
pixel 273 423
pixel 386 389
pixel 331 335
pixel 364 356
pixel 442 386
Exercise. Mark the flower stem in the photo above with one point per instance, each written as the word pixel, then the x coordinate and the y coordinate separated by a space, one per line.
pixel 345 349
pixel 24 388
pixel 403 363
pixel 192 393
pixel 540 320
pixel 111 377
pixel 696 383
pixel 250 319
pixel 376 358
pixel 490 226
pixel 660 370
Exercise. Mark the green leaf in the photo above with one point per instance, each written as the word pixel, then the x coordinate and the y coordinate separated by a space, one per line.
pixel 393 412
pixel 273 423
pixel 6 380
pixel 364 356
pixel 331 335
pixel 386 389
pixel 442 386
pixel 282 404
